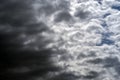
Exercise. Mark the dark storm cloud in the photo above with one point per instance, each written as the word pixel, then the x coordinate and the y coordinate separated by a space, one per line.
pixel 35 28
pixel 15 13
pixel 81 14
pixel 17 18
pixel 65 76
pixel 63 16
pixel 37 62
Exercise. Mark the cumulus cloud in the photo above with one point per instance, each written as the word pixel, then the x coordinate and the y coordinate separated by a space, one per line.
pixel 60 39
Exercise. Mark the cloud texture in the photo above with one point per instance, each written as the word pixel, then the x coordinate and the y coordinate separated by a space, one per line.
pixel 60 39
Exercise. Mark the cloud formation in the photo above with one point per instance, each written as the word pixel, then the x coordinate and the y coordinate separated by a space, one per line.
pixel 60 39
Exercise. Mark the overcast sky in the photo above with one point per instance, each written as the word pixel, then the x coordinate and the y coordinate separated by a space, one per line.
pixel 60 39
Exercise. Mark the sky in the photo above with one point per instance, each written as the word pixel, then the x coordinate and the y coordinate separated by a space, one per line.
pixel 60 39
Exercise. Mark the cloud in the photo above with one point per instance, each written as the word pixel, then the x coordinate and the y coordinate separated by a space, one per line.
pixel 23 45
pixel 59 39
pixel 81 39
pixel 12 13
pixel 48 8
pixel 63 16
pixel 81 14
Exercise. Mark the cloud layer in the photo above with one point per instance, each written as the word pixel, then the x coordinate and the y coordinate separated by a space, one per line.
pixel 60 39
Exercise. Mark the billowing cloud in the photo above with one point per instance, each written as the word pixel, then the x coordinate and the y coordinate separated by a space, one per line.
pixel 60 39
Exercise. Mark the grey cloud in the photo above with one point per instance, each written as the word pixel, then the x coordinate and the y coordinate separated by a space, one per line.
pixel 117 69
pixel 35 28
pixel 107 62
pixel 63 16
pixel 49 7
pixel 65 76
pixel 46 9
pixel 81 14
pixel 15 13
pixel 70 76
pixel 111 62
pixel 114 63
pixel 63 5
pixel 95 61
pixel 91 75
